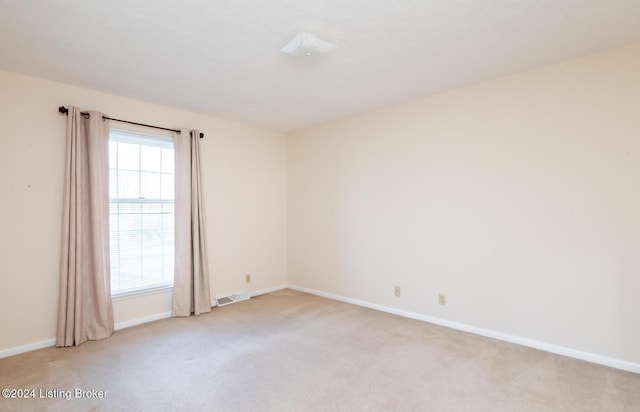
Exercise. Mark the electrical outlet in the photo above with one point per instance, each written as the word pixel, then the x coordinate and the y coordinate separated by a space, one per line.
pixel 442 299
pixel 396 291
pixel 247 278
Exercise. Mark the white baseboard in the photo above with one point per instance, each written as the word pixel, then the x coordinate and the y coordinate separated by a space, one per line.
pixel 547 347
pixel 560 350
pixel 164 315
pixel 47 343
pixel 139 321
pixel 268 290
pixel 16 350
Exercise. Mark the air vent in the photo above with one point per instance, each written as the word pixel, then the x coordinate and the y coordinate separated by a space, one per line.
pixel 227 300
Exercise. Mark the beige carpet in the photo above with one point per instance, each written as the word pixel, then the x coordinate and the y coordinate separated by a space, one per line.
pixel 289 351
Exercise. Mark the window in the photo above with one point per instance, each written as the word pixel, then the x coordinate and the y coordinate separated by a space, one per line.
pixel 141 179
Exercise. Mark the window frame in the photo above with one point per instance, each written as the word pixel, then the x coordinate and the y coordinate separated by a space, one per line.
pixel 151 140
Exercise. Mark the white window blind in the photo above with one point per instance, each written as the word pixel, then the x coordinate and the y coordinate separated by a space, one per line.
pixel 141 179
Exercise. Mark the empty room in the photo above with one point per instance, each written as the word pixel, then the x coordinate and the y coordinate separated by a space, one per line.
pixel 388 206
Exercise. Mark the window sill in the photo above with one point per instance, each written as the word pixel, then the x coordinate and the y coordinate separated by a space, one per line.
pixel 140 293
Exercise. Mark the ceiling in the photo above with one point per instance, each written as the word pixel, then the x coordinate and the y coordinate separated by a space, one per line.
pixel 221 57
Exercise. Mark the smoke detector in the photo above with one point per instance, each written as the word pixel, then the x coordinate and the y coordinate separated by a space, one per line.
pixel 305 45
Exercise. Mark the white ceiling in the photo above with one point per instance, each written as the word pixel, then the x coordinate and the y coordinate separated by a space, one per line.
pixel 221 57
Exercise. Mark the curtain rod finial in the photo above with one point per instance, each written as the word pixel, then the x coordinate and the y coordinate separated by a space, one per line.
pixel 63 110
pixel 201 134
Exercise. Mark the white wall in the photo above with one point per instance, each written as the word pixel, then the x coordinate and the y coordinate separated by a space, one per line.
pixel 518 197
pixel 245 183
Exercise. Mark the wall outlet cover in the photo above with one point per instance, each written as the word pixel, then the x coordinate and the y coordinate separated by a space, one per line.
pixel 442 299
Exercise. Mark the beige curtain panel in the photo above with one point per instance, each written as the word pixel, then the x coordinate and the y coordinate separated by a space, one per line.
pixel 191 283
pixel 85 311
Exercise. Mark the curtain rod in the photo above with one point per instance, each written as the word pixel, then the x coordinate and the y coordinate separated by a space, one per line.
pixel 64 110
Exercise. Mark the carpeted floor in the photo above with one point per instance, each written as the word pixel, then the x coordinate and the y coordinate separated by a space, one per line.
pixel 289 351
